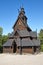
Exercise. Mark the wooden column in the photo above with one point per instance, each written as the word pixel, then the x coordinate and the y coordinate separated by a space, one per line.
pixel 20 45
pixel 33 50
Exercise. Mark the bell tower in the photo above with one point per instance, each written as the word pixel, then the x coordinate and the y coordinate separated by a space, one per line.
pixel 22 15
pixel 21 22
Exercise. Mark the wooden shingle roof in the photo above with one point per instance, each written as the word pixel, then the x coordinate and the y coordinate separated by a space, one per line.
pixel 26 33
pixel 25 42
pixel 8 43
pixel 28 42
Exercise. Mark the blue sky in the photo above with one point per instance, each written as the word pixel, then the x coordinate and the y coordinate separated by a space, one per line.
pixel 9 13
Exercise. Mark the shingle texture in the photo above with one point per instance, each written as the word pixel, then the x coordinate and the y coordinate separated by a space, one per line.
pixel 36 42
pixel 24 33
pixel 23 42
pixel 33 34
pixel 9 42
pixel 28 42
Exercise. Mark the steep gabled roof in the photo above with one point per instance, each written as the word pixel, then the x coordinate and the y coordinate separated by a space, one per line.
pixel 23 33
pixel 26 33
pixel 16 22
pixel 26 25
pixel 23 19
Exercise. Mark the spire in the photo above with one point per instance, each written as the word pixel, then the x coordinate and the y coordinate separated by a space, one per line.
pixel 21 11
pixel 22 15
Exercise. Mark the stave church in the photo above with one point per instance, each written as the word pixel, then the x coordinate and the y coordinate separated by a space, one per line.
pixel 22 39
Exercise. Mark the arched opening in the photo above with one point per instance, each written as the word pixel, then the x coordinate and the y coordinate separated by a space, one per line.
pixel 14 47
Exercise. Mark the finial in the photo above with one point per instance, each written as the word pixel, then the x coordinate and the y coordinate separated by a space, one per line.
pixel 22 6
pixel 21 10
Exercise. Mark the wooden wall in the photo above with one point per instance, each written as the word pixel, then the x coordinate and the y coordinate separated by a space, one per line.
pixel 24 50
pixel 27 50
pixel 7 50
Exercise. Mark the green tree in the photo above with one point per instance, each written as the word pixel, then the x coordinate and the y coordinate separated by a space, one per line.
pixel 3 39
pixel 41 38
pixel 1 31
pixel 41 34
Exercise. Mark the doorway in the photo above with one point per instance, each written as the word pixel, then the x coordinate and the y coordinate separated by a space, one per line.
pixel 14 47
pixel 34 48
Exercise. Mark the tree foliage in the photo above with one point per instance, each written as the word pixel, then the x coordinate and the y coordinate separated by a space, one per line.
pixel 41 39
pixel 41 34
pixel 3 38
pixel 1 31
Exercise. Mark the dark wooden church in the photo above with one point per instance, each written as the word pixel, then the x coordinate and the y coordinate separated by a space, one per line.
pixel 22 39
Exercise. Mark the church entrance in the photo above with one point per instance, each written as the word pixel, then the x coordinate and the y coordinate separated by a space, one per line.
pixel 14 47
pixel 34 48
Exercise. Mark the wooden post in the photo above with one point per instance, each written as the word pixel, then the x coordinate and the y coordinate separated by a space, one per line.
pixel 20 45
pixel 33 50
pixel 20 50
